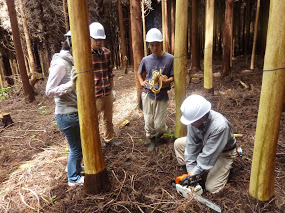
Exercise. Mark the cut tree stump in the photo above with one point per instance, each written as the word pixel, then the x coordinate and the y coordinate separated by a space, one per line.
pixel 6 119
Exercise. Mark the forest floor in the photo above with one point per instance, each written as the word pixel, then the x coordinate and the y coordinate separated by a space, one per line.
pixel 33 154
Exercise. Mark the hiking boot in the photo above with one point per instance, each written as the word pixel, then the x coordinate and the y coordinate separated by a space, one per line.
pixel 152 144
pixel 112 143
pixel 79 182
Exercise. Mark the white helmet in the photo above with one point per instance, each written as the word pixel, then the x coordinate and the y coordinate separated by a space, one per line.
pixel 68 38
pixel 97 31
pixel 67 34
pixel 193 108
pixel 154 35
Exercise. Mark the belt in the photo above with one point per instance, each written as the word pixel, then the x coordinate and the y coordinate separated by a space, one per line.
pixel 226 150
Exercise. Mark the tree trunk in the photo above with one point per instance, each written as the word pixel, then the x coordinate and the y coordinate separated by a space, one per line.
pixel 208 73
pixel 96 175
pixel 255 35
pixel 232 39
pixel 131 42
pixel 270 107
pixel 172 25
pixel 195 37
pixel 65 14
pixel 144 31
pixel 28 90
pixel 124 58
pixel 32 63
pixel 180 61
pixel 165 26
pixel 227 38
pixel 247 29
pixel 137 41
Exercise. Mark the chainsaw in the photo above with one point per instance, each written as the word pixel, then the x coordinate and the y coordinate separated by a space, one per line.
pixel 189 187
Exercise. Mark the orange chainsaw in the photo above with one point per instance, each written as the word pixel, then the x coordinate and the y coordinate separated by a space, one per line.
pixel 189 187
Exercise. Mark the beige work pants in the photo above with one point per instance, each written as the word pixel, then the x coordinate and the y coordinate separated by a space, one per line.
pixel 154 122
pixel 104 106
pixel 218 175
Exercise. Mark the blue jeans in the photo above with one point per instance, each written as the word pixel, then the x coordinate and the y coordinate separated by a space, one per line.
pixel 69 125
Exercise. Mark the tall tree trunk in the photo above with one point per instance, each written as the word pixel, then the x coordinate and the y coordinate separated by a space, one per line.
pixel 124 59
pixel 247 29
pixel 180 61
pixel 28 90
pixel 65 14
pixel 137 41
pixel 32 62
pixel 96 175
pixel 227 38
pixel 270 107
pixel 165 26
pixel 255 35
pixel 263 25
pixel 208 73
pixel 195 37
pixel 172 15
pixel 131 41
pixel 144 31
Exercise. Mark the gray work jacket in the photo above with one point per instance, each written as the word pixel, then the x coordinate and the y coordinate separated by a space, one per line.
pixel 205 144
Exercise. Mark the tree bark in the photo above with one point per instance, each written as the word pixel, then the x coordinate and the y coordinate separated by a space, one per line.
pixel 255 35
pixel 270 107
pixel 195 37
pixel 165 26
pixel 227 38
pixel 144 31
pixel 65 14
pixel 180 61
pixel 137 41
pixel 96 176
pixel 124 58
pixel 172 15
pixel 208 73
pixel 247 29
pixel 28 90
pixel 32 63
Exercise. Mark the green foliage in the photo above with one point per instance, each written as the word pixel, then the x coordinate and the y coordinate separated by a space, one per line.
pixel 66 150
pixel 44 110
pixel 4 92
pixel 169 134
pixel 143 142
pixel 53 123
pixel 53 199
pixel 33 136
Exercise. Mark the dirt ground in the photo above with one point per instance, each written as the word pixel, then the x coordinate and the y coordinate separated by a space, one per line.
pixel 33 154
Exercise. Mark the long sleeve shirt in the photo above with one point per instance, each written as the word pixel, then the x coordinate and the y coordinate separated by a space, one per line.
pixel 205 144
pixel 59 83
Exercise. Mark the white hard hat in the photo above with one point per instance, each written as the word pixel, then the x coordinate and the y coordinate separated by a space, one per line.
pixel 97 31
pixel 154 35
pixel 67 34
pixel 193 108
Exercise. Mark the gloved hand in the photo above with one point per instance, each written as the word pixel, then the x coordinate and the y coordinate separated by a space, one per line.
pixel 114 95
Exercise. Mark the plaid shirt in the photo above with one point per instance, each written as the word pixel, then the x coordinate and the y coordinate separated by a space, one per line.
pixel 102 72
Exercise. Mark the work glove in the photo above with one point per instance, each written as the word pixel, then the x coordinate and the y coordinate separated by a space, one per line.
pixel 114 95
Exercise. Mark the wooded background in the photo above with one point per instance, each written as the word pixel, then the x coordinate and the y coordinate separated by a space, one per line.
pixel 47 22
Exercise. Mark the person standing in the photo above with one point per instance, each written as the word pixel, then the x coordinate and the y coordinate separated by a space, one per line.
pixel 61 85
pixel 209 145
pixel 104 83
pixel 155 105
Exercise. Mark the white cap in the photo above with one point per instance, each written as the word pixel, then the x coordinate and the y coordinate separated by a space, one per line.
pixel 97 31
pixel 193 108
pixel 154 35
